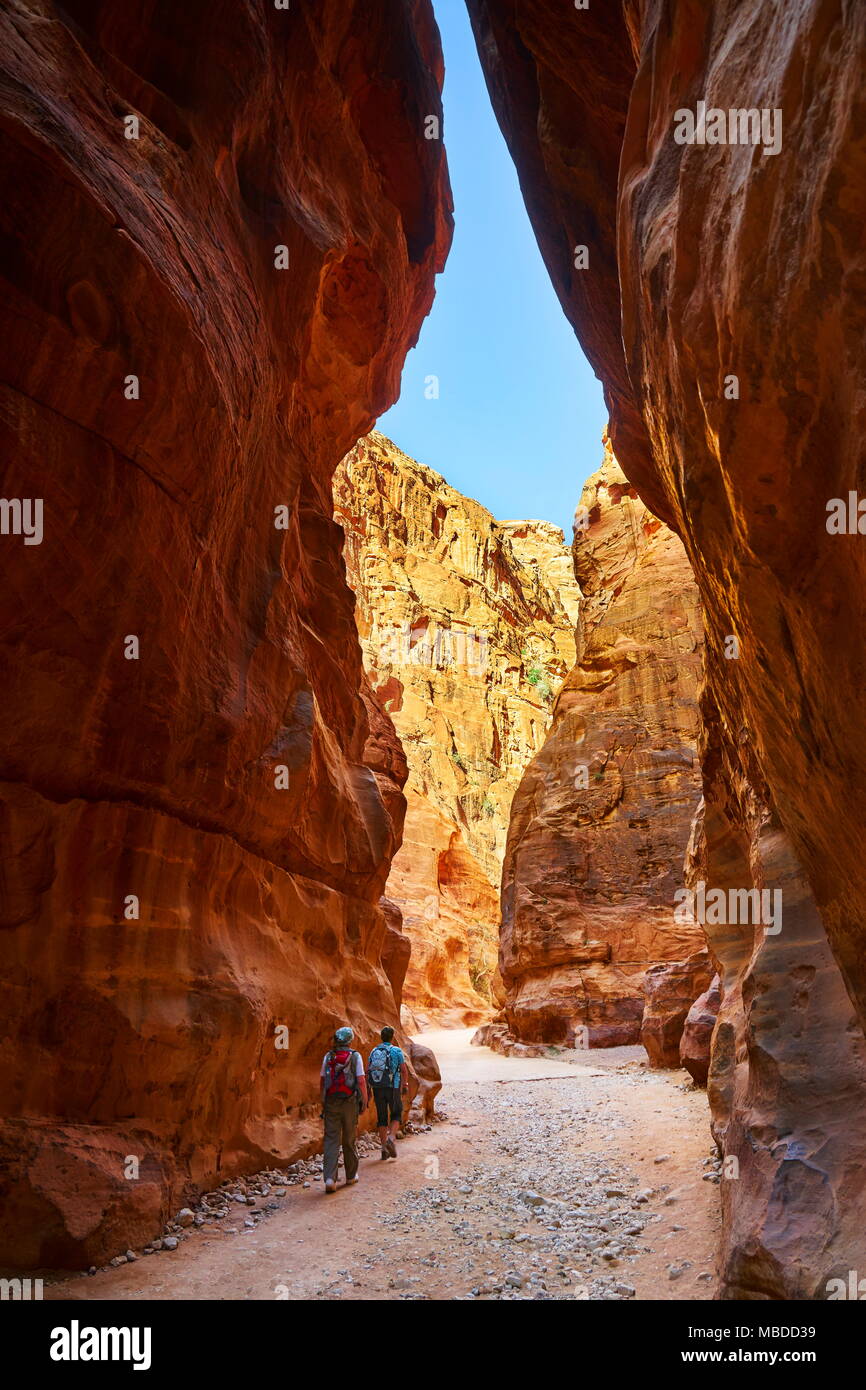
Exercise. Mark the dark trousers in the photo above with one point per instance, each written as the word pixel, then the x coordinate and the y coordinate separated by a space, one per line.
pixel 389 1104
pixel 341 1127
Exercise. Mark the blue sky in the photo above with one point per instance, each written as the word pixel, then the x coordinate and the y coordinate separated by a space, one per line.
pixel 519 417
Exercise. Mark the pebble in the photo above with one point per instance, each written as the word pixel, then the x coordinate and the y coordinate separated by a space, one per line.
pixel 591 1216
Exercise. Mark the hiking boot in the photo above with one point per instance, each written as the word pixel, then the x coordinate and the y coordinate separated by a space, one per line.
pixel 350 1182
pixel 392 1148
pixel 330 1185
pixel 385 1153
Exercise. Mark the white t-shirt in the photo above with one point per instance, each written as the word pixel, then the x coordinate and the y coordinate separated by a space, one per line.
pixel 359 1063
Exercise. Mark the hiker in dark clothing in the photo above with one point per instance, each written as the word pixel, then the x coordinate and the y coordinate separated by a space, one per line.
pixel 344 1096
pixel 389 1078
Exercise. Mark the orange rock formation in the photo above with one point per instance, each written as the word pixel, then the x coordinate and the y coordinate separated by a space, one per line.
pixel 221 230
pixel 601 820
pixel 722 307
pixel 466 629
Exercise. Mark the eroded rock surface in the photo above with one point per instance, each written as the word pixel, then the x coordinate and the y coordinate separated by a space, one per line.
pixel 199 810
pixel 601 820
pixel 426 1069
pixel 466 629
pixel 670 992
pixel 722 306
pixel 696 1041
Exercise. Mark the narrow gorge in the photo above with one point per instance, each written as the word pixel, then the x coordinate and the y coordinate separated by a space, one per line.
pixel 297 734
pixel 467 629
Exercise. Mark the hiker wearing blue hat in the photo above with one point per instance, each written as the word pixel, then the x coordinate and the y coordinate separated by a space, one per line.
pixel 344 1096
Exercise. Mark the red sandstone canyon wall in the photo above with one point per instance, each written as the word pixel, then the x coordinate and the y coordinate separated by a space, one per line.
pixel 601 820
pixel 722 306
pixel 198 814
pixel 466 635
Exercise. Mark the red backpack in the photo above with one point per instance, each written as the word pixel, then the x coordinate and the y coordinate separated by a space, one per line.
pixel 340 1076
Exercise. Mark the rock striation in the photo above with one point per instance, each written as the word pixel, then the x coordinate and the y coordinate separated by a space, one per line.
pixel 670 993
pixel 601 820
pixel 467 631
pixel 221 227
pixel 696 1041
pixel 721 304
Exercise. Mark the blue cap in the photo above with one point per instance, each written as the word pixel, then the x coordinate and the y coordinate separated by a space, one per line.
pixel 343 1035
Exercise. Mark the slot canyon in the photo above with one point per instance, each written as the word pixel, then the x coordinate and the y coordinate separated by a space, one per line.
pixel 299 733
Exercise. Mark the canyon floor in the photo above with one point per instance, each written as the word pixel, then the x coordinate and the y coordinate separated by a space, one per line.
pixel 575 1176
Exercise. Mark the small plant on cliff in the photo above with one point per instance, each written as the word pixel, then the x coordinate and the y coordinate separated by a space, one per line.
pixel 537 677
pixel 488 806
pixel 459 759
pixel 480 980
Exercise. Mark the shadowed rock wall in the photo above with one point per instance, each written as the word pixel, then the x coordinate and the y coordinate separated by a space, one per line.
pixel 199 809
pixel 722 306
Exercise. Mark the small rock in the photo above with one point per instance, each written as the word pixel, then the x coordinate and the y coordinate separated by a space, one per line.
pixel 185 1217
pixel 662 1158
pixel 169 1243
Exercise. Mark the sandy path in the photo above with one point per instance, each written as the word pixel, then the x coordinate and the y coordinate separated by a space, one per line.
pixel 526 1191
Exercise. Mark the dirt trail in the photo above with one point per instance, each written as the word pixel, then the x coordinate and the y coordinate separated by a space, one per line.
pixel 536 1186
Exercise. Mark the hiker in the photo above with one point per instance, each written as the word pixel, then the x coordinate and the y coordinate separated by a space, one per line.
pixel 344 1095
pixel 389 1079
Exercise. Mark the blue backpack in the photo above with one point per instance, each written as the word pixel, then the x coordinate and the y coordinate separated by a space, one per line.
pixel 382 1066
